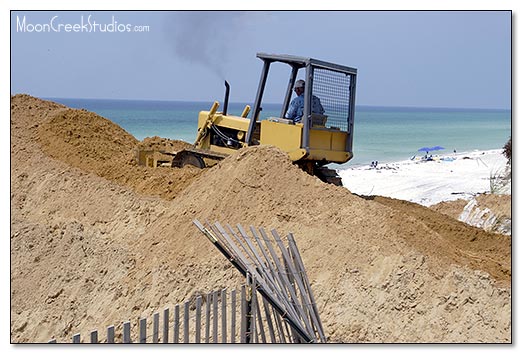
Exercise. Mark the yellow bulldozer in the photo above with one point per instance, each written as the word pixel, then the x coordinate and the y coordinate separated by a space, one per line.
pixel 320 136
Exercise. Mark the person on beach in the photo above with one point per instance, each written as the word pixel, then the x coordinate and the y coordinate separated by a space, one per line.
pixel 295 111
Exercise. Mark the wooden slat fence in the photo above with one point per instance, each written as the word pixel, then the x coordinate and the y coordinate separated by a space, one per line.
pixel 278 272
pixel 211 318
pixel 276 305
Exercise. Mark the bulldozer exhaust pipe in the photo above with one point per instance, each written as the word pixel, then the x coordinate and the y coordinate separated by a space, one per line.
pixel 227 93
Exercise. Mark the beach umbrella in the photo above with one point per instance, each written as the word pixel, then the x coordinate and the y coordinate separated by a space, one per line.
pixel 438 147
pixel 425 149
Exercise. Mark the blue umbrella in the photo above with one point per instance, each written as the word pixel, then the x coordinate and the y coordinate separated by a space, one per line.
pixel 425 149
pixel 438 147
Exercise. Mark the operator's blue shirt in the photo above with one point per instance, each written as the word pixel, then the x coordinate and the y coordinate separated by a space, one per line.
pixel 295 111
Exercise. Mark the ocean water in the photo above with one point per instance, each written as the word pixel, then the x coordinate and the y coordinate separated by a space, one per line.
pixel 383 134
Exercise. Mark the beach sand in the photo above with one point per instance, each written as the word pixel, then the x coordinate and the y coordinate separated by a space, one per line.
pixel 448 177
pixel 96 240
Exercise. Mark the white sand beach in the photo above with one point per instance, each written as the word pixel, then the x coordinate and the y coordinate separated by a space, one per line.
pixel 448 177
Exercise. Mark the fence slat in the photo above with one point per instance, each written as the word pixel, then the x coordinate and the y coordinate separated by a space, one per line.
pixel 155 328
pixel 280 276
pixel 207 320
pixel 110 334
pixel 243 328
pixel 143 330
pixel 94 336
pixel 224 240
pixel 186 322
pixel 281 273
pixel 233 316
pixel 279 287
pixel 309 329
pixel 244 260
pixel 301 269
pixel 305 300
pixel 295 276
pixel 224 316
pixel 290 333
pixel 253 314
pixel 269 321
pixel 166 325
pixel 263 269
pixel 248 259
pixel 295 303
pixel 215 318
pixel 277 320
pixel 198 319
pixel 260 321
pixel 176 324
pixel 126 332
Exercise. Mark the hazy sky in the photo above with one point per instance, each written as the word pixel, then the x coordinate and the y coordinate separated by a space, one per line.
pixel 426 59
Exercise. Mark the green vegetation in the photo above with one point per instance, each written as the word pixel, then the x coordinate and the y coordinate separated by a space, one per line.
pixel 507 150
pixel 500 180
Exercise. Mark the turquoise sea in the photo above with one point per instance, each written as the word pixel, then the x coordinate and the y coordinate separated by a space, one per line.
pixel 384 134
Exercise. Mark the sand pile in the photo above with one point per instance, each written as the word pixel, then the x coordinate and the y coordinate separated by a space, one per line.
pixel 162 144
pixel 91 248
pixel 82 138
pixel 85 140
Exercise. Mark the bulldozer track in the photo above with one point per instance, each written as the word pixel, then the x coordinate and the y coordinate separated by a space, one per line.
pixel 328 175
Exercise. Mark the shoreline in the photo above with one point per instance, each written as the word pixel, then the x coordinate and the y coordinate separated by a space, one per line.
pixel 417 156
pixel 448 177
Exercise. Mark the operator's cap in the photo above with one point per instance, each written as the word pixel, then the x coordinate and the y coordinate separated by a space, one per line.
pixel 299 84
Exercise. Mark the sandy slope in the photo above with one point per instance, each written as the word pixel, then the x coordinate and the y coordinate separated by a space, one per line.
pixel 96 240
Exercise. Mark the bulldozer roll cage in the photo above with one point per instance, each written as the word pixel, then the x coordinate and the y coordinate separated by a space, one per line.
pixel 333 84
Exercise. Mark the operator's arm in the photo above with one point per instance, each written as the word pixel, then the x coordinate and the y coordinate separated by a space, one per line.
pixel 292 110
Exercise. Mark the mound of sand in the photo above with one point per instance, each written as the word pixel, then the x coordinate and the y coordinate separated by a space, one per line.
pixel 159 144
pixel 98 240
pixel 92 143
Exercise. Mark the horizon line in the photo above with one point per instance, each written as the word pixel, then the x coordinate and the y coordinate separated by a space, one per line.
pixel 275 103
